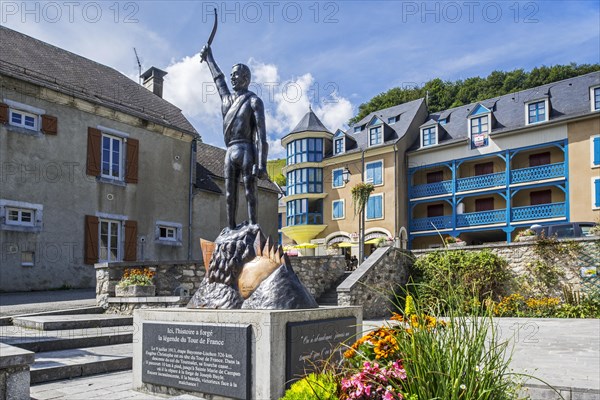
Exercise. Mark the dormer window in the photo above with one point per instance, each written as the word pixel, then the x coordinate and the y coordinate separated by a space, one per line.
pixel 443 121
pixel 375 135
pixel 595 98
pixel 357 129
pixel 393 120
pixel 479 126
pixel 536 111
pixel 428 136
pixel 338 145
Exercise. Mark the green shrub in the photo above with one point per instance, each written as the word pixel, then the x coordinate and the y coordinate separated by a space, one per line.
pixel 313 387
pixel 473 276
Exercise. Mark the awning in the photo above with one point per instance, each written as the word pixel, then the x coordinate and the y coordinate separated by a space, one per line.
pixel 344 244
pixel 305 246
pixel 372 241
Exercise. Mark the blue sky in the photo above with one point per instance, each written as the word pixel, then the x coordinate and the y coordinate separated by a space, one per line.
pixel 333 55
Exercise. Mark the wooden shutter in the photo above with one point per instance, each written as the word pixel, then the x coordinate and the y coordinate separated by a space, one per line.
pixel 433 177
pixel 94 150
pixel 485 204
pixel 131 171
pixel 91 239
pixel 540 197
pixel 484 168
pixel 435 210
pixel 597 192
pixel 49 125
pixel 130 241
pixel 538 159
pixel 3 113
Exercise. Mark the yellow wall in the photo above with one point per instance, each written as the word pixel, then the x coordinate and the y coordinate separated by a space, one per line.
pixel 420 210
pixel 420 177
pixel 350 222
pixel 468 168
pixel 581 171
pixel 521 199
pixel 469 202
pixel 521 160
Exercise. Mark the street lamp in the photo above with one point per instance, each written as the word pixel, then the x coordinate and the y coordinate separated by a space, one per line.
pixel 346 175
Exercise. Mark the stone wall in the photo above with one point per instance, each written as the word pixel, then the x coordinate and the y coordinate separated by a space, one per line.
pixel 562 258
pixel 374 283
pixel 172 278
pixel 318 273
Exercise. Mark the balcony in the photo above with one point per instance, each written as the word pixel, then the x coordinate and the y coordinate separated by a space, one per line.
pixel 431 223
pixel 431 189
pixel 548 171
pixel 541 211
pixel 481 182
pixel 481 218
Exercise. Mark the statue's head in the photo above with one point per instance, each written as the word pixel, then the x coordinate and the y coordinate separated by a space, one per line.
pixel 240 76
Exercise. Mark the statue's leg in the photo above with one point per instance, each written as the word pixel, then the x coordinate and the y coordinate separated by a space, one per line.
pixel 250 184
pixel 232 177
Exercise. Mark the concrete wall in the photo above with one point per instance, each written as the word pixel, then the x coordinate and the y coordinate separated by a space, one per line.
pixel 51 171
pixel 582 172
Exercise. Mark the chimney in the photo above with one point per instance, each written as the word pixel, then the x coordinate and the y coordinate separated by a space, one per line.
pixel 153 80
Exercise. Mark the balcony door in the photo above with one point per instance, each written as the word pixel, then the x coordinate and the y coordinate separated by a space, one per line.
pixel 535 160
pixel 435 210
pixel 485 204
pixel 484 168
pixel 540 197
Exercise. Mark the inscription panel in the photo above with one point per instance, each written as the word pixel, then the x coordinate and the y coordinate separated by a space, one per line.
pixel 207 358
pixel 309 342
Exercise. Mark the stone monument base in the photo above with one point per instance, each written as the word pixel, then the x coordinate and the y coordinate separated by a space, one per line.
pixel 235 354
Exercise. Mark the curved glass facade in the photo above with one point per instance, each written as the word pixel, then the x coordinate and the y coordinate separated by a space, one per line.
pixel 305 150
pixel 305 180
pixel 305 212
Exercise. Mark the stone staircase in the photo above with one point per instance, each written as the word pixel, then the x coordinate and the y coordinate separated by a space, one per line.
pixel 69 346
pixel 329 296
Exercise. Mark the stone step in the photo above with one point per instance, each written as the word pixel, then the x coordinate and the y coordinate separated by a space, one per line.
pixel 78 321
pixel 7 320
pixel 67 364
pixel 40 341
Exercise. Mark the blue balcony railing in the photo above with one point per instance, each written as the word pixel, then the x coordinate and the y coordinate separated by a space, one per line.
pixel 481 181
pixel 432 223
pixel 541 211
pixel 431 189
pixel 305 219
pixel 481 218
pixel 548 171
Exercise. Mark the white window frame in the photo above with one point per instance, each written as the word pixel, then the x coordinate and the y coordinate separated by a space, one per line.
pixel 546 114
pixel 395 119
pixel 20 212
pixel 23 114
pixel 369 135
pixel 36 211
pixel 592 98
pixel 593 180
pixel 333 178
pixel 177 228
pixel 120 232
pixel 122 153
pixel 382 208
pixel 343 209
pixel 25 110
pixel 435 135
pixel 343 140
pixel 28 263
pixel 488 115
pixel 592 165
pixel 367 180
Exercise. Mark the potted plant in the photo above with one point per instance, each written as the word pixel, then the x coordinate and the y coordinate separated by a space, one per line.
pixel 526 235
pixel 136 282
pixel 452 241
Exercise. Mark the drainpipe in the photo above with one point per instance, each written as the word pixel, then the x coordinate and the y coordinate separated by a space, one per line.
pixel 396 192
pixel 191 196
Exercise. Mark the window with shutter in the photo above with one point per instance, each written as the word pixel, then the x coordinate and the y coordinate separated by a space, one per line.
pixel 93 152
pixel 91 239
pixel 485 204
pixel 130 241
pixel 131 169
pixel 484 168
pixel 535 160
pixel 435 210
pixel 596 150
pixel 49 125
pixel 3 113
pixel 540 197
pixel 434 177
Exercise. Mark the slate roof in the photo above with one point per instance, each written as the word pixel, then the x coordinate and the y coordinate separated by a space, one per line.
pixel 568 98
pixel 310 122
pixel 210 164
pixel 407 112
pixel 40 63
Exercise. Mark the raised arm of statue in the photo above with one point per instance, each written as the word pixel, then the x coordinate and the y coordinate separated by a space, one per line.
pixel 261 138
pixel 217 74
